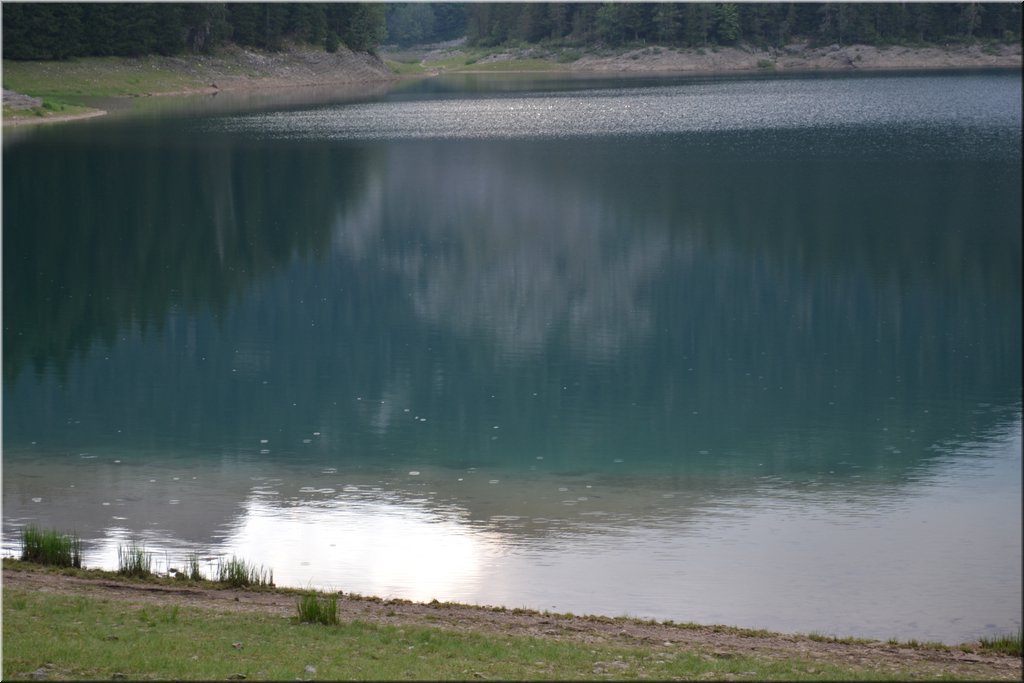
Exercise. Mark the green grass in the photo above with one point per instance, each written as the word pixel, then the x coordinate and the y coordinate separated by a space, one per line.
pixel 64 81
pixel 569 55
pixel 1006 644
pixel 193 573
pixel 513 65
pixel 400 68
pixel 915 644
pixel 46 546
pixel 452 63
pixel 133 560
pixel 238 573
pixel 314 609
pixel 80 637
pixel 470 59
pixel 848 640
pixel 49 107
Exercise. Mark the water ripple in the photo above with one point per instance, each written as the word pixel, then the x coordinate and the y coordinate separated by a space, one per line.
pixel 757 105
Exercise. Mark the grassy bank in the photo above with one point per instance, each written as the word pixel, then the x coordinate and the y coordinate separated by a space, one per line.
pixel 63 86
pixel 231 68
pixel 76 636
pixel 97 77
pixel 88 638
pixel 71 623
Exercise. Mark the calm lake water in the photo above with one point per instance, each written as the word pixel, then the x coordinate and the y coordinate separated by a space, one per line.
pixel 724 350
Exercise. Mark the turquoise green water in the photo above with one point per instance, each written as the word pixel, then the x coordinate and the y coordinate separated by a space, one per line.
pixel 741 351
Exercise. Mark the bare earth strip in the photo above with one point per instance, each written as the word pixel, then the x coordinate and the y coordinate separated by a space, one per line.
pixel 709 640
pixel 53 118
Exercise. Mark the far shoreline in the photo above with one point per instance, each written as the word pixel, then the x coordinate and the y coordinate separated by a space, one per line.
pixel 299 67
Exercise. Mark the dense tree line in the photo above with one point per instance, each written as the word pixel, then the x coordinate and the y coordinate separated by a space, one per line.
pixel 764 24
pixel 61 30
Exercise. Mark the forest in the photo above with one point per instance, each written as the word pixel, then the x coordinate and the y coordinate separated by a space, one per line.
pixel 42 31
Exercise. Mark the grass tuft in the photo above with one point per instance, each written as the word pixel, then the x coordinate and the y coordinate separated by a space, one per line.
pixel 316 610
pixel 46 546
pixel 193 572
pixel 238 573
pixel 133 560
pixel 1006 644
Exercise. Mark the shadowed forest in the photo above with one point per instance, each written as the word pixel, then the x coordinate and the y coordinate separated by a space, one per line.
pixel 41 31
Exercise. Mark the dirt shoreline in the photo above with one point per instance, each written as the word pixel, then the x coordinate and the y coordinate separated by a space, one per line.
pixel 236 69
pixel 53 118
pixel 708 641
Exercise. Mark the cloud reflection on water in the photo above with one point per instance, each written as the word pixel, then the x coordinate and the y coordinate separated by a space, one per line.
pixel 829 558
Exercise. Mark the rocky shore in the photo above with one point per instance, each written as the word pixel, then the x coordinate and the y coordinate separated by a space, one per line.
pixel 800 57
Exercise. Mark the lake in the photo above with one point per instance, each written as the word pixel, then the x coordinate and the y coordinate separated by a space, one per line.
pixel 738 350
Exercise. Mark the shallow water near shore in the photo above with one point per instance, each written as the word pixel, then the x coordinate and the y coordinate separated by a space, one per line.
pixel 724 350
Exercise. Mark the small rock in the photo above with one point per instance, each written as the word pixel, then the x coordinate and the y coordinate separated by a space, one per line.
pixel 18 101
pixel 237 646
pixel 44 671
pixel 619 664
pixel 236 677
pixel 310 669
pixel 118 676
